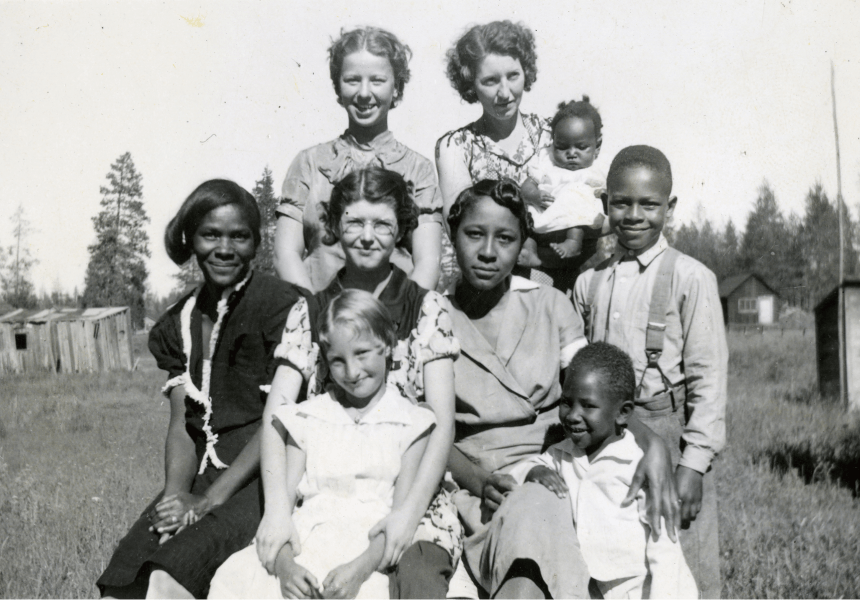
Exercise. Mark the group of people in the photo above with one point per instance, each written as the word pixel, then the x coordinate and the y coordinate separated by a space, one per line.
pixel 369 425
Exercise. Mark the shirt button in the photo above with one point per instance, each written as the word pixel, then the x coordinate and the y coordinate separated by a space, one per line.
pixel 615 315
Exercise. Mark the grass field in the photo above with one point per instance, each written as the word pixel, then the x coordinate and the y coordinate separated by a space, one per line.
pixel 80 457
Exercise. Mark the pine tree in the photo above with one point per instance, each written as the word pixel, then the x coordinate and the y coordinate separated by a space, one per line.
pixel 18 290
pixel 267 203
pixel 819 236
pixel 188 277
pixel 116 274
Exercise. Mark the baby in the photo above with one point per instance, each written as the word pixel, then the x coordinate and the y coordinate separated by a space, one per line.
pixel 594 466
pixel 563 189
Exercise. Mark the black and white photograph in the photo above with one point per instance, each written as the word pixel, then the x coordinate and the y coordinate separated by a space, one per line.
pixel 445 299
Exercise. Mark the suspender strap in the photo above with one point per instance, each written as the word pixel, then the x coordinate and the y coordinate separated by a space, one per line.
pixel 601 273
pixel 655 332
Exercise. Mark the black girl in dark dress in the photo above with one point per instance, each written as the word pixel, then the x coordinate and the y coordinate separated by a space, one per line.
pixel 217 345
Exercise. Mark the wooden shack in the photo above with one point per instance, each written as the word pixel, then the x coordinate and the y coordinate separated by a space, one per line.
pixel 747 299
pixel 66 340
pixel 839 372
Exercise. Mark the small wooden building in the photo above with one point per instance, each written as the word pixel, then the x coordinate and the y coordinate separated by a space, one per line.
pixel 747 299
pixel 839 372
pixel 66 340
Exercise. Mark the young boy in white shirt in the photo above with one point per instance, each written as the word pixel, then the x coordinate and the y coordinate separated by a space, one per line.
pixel 594 466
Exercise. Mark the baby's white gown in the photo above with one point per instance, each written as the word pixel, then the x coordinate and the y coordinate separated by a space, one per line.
pixel 576 195
pixel 347 488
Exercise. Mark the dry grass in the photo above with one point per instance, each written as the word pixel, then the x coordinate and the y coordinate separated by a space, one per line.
pixel 80 456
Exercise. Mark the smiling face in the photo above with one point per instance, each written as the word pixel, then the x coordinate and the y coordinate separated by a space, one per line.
pixel 487 243
pixel 574 144
pixel 590 416
pixel 224 246
pixel 638 204
pixel 499 84
pixel 367 89
pixel 368 234
pixel 357 362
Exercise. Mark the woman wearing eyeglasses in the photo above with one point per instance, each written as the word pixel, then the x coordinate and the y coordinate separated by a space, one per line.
pixel 370 214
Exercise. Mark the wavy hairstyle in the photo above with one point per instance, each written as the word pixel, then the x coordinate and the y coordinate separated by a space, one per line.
pixel 209 195
pixel 378 42
pixel 503 192
pixel 499 37
pixel 373 184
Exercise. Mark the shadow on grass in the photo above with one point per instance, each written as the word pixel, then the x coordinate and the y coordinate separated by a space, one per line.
pixel 821 458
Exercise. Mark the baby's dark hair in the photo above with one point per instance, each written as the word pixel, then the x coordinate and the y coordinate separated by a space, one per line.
pixel 503 192
pixel 612 363
pixel 498 37
pixel 209 195
pixel 378 42
pixel 581 109
pixel 640 156
pixel 373 184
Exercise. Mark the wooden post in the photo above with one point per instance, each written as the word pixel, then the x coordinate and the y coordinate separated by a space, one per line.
pixel 840 294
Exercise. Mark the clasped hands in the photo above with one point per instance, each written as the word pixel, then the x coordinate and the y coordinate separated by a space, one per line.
pixel 175 512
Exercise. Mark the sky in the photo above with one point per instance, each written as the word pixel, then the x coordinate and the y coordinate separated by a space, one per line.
pixel 733 92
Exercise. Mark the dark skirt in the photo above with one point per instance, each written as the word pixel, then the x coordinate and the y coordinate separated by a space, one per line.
pixel 192 556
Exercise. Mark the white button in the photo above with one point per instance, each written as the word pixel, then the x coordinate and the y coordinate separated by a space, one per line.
pixel 615 315
pixel 622 279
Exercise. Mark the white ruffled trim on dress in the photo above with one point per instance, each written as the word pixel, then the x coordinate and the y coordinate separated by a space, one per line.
pixel 198 395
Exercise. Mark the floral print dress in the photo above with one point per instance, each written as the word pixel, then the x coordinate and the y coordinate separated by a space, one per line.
pixel 424 333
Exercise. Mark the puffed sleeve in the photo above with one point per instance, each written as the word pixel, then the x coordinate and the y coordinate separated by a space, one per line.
pixel 571 330
pixel 434 333
pixel 296 188
pixel 295 421
pixel 297 348
pixel 425 194
pixel 423 421
pixel 279 307
pixel 165 344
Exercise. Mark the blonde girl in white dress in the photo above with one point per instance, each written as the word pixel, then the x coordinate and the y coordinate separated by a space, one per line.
pixel 350 455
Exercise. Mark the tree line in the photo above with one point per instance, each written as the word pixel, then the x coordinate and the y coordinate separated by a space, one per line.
pixel 797 256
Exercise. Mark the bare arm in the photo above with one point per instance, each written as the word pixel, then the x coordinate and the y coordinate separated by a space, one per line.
pixel 275 529
pixel 454 176
pixel 181 467
pixel 289 251
pixel 426 255
pixel 180 459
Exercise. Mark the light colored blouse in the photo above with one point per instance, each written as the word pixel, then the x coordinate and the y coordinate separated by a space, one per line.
pixel 314 172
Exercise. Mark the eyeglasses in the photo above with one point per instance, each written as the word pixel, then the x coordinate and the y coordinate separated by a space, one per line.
pixel 380 228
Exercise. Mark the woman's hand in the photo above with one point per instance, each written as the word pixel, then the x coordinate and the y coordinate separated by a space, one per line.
pixel 654 472
pixel 689 483
pixel 399 529
pixel 275 531
pixel 177 511
pixel 344 581
pixel 549 479
pixel 496 487
pixel 296 581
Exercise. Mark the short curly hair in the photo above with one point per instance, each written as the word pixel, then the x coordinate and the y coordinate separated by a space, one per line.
pixel 581 109
pixel 613 364
pixel 378 42
pixel 373 184
pixel 640 156
pixel 499 37
pixel 209 195
pixel 504 192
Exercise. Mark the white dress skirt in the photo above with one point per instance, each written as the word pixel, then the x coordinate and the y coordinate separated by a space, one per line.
pixel 347 488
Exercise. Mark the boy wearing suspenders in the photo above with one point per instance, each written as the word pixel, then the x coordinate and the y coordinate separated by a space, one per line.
pixel 662 307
